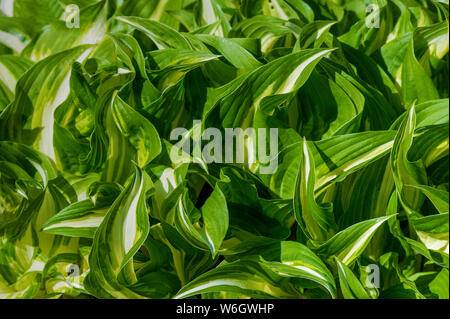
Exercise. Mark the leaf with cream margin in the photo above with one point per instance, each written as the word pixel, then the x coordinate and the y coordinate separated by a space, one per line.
pixel 348 244
pixel 316 221
pixel 29 118
pixel 120 235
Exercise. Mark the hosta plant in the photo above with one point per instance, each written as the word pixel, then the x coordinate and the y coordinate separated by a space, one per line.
pixel 224 149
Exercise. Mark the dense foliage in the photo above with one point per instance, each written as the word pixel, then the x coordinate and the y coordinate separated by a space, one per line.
pixel 94 204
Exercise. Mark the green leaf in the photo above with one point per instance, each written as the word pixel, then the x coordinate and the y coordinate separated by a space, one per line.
pixel 417 87
pixel 439 284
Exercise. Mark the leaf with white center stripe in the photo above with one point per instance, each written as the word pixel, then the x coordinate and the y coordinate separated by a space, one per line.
pixel 11 69
pixel 249 277
pixel 209 232
pixel 335 158
pixel 29 119
pixel 294 260
pixel 351 287
pixel 349 244
pixel 404 171
pixel 119 237
pixel 265 88
pixel 316 221
pixel 58 37
pixel 162 35
pixel 77 220
pixel 81 219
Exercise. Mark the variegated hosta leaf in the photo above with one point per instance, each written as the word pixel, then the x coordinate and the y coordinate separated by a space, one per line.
pixel 416 84
pixel 433 231
pixel 60 35
pixel 404 171
pixel 266 28
pixel 174 64
pixel 348 244
pixel 153 10
pixel 232 51
pixel 438 197
pixel 263 88
pixel 209 232
pixel 433 112
pixel 11 69
pixel 29 118
pixel 247 277
pixel 313 34
pixel 211 12
pixel 137 130
pixel 345 153
pixel 294 260
pixel 317 221
pixel 81 219
pixel 351 287
pixel 197 149
pixel 119 236
pixel 162 35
